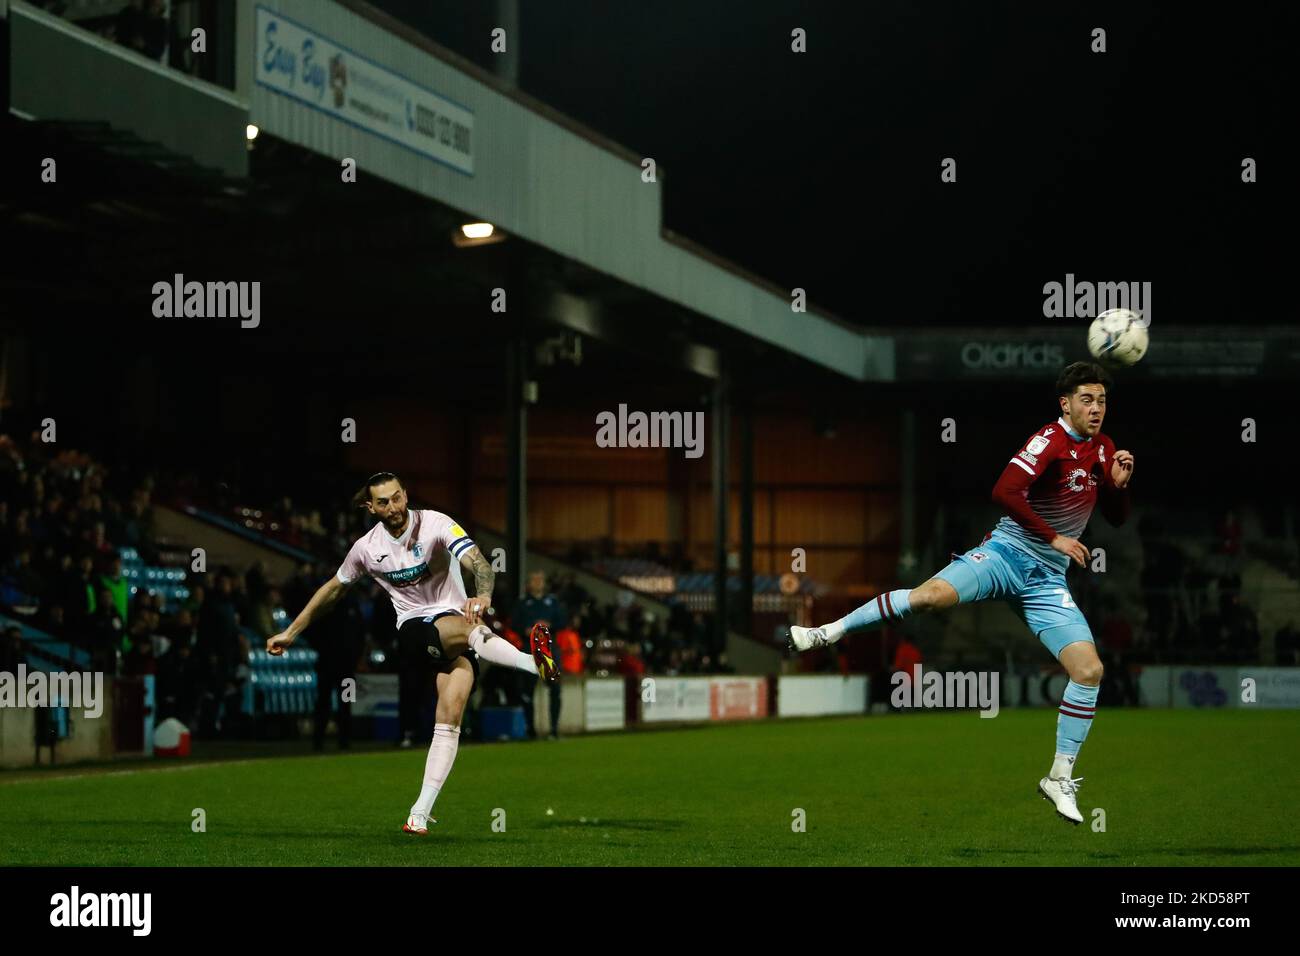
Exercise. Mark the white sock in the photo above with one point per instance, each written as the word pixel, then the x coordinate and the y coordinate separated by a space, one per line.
pixel 497 650
pixel 442 754
pixel 424 806
pixel 1061 767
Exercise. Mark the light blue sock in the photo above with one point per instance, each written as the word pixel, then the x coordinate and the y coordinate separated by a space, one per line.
pixel 1074 720
pixel 890 606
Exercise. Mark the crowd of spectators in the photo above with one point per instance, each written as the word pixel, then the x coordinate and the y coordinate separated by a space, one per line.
pixel 62 525
pixel 65 519
pixel 1195 608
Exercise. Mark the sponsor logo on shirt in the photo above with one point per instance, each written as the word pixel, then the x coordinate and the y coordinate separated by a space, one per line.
pixel 407 576
pixel 1032 459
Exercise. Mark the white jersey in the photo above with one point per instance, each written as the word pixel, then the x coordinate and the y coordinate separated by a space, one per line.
pixel 420 570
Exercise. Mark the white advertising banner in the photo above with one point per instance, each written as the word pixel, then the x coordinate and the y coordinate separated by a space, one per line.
pixel 675 698
pixel 376 695
pixel 1155 687
pixel 1205 687
pixel 1275 687
pixel 297 62
pixel 604 703
pixel 1165 686
pixel 809 695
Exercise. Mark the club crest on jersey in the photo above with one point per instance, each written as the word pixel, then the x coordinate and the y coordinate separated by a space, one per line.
pixel 1074 478
pixel 418 549
pixel 1101 454
pixel 978 556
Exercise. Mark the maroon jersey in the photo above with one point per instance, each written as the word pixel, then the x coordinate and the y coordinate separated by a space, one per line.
pixel 1051 486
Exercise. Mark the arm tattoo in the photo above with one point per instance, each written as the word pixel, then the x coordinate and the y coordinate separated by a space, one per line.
pixel 484 576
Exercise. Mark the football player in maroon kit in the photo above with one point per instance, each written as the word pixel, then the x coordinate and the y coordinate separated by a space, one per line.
pixel 1048 489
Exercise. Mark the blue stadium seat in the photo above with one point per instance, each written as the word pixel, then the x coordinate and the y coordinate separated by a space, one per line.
pixel 281 685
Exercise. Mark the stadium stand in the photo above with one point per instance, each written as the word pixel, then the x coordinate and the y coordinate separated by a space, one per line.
pixel 88 580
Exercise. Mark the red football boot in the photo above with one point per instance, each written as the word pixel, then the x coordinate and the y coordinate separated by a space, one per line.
pixel 544 652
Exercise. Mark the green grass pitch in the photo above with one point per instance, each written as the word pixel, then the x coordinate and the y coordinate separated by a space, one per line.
pixel 1180 788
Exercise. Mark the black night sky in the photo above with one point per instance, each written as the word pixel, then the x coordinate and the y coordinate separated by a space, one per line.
pixel 821 170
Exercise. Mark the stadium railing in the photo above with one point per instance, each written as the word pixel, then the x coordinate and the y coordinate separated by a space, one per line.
pixel 45 652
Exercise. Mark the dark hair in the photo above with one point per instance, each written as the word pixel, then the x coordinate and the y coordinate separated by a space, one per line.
pixel 1081 373
pixel 378 478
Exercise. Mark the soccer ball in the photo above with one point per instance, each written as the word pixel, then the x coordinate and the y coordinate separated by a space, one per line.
pixel 1118 335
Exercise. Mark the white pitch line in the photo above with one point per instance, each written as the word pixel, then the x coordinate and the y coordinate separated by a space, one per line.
pixel 175 768
pixel 126 773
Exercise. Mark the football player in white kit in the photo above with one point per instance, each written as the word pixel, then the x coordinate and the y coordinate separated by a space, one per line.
pixel 417 556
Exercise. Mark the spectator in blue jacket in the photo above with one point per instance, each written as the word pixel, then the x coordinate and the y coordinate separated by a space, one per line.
pixel 538 606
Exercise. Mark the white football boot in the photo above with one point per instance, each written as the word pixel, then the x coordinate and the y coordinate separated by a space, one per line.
pixel 1060 793
pixel 418 824
pixel 806 638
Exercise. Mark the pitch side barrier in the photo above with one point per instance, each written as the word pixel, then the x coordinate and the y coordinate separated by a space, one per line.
pixel 1242 686
pixel 592 704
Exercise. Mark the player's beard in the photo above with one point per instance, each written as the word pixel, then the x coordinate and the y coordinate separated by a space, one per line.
pixel 397 521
